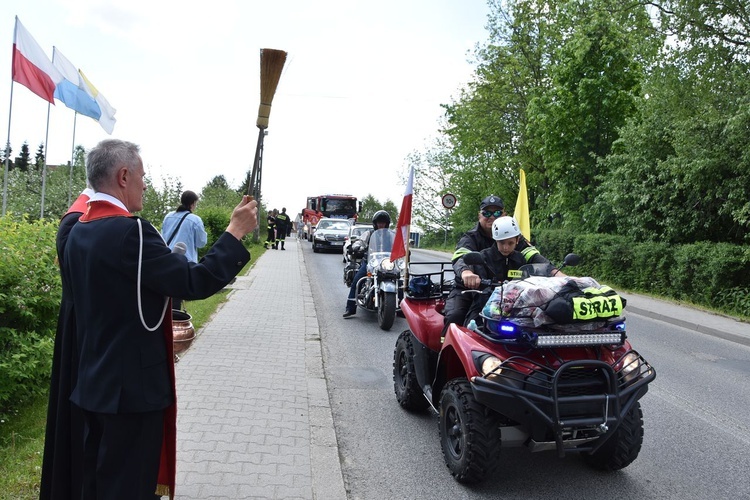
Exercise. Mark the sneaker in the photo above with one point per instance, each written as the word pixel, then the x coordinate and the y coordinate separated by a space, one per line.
pixel 349 314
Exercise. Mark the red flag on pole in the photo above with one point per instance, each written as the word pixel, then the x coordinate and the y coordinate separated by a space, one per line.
pixel 31 66
pixel 401 244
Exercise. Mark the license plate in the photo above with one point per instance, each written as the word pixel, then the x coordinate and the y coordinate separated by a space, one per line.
pixel 337 243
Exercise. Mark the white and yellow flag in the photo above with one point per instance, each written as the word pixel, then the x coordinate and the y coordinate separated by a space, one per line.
pixel 522 207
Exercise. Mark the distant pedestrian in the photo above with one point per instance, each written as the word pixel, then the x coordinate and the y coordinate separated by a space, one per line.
pixel 182 225
pixel 283 226
pixel 300 227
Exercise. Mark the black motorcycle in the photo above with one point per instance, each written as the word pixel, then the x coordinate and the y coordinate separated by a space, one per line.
pixel 378 290
pixel 355 253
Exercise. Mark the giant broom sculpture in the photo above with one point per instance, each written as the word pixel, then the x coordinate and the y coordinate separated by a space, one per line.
pixel 271 63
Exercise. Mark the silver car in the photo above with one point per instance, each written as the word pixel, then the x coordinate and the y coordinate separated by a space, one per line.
pixel 330 234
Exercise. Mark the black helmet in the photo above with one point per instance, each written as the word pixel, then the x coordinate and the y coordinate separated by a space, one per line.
pixel 381 216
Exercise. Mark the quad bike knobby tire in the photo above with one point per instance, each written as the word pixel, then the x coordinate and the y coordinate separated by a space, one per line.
pixel 623 446
pixel 386 310
pixel 408 393
pixel 469 433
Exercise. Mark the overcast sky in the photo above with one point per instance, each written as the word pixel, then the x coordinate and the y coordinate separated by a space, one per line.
pixel 361 88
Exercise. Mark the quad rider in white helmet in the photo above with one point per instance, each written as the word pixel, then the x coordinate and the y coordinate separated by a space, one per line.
pixel 502 260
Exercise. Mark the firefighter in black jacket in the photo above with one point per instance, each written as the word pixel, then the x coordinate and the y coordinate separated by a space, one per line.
pixel 282 228
pixel 476 240
pixel 271 234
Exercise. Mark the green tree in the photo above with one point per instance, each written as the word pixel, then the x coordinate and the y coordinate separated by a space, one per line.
pixel 218 193
pixel 22 162
pixel 158 202
pixel 39 160
pixel 430 184
pixel 595 84
pixel 487 126
pixel 680 172
pixel 370 205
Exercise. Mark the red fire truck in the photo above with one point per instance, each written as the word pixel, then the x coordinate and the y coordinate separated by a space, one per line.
pixel 337 206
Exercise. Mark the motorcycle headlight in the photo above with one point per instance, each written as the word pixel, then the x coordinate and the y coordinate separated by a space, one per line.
pixel 386 265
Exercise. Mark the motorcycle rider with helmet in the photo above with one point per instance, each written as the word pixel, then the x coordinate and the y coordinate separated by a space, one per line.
pixel 475 240
pixel 502 261
pixel 381 220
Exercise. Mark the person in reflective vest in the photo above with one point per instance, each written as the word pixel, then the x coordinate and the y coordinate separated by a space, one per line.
pixel 271 231
pixel 282 222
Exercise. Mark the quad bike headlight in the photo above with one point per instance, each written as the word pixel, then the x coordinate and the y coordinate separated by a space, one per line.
pixel 630 367
pixel 491 367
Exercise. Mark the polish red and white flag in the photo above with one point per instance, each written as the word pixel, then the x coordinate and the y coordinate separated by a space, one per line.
pixel 401 243
pixel 31 66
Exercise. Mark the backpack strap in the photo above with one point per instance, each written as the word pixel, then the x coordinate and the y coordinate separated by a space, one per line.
pixel 174 233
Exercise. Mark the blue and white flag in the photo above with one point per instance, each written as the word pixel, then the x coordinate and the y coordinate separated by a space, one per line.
pixel 76 93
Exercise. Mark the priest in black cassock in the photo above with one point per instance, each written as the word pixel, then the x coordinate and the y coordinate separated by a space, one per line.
pixel 121 275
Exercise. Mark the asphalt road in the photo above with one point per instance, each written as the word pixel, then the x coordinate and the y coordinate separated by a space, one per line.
pixel 696 414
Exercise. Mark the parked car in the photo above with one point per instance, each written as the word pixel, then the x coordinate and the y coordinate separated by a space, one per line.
pixel 355 232
pixel 330 234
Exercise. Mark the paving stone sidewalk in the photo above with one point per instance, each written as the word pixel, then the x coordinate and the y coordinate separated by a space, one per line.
pixel 254 420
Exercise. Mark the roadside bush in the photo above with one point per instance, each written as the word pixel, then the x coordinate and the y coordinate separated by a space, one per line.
pixel 703 270
pixel 30 294
pixel 215 220
pixel 554 244
pixel 710 274
pixel 734 300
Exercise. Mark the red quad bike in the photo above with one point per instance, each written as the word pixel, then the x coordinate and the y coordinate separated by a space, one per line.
pixel 569 388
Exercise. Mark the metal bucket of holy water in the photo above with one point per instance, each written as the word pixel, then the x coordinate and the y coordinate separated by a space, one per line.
pixel 183 332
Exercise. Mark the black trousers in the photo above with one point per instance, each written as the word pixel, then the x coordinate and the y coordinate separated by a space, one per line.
pixel 121 455
pixel 456 306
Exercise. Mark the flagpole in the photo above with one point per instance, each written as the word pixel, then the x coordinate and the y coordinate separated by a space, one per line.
pixel 44 163
pixel 406 257
pixel 7 150
pixel 72 155
pixel 46 149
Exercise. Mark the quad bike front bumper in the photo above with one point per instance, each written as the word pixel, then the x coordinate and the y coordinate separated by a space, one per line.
pixel 574 408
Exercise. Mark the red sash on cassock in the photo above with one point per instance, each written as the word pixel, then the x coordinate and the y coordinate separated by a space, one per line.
pixel 100 209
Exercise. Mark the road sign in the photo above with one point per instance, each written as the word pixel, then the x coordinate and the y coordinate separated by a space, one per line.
pixel 449 200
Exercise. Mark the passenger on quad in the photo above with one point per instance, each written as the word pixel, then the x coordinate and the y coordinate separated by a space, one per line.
pixel 381 220
pixel 501 262
pixel 475 240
